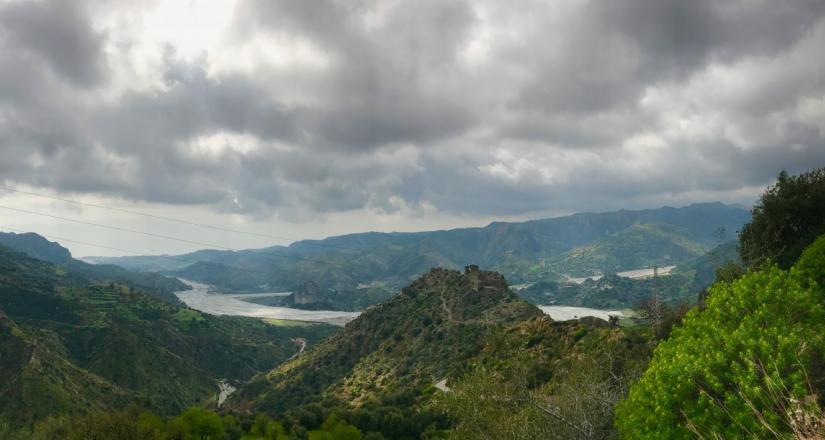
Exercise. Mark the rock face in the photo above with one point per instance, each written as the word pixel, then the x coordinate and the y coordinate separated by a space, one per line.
pixel 308 293
pixel 480 280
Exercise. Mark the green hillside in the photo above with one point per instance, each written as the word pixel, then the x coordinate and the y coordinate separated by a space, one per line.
pixel 381 369
pixel 70 345
pixel 540 250
pixel 683 284
pixel 638 246
pixel 33 245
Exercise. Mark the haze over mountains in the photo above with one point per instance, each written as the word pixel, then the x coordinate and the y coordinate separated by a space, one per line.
pixel 353 271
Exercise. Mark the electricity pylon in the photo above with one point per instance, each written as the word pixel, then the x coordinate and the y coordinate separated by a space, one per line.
pixel 655 303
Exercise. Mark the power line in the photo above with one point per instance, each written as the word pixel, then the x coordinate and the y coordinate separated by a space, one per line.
pixel 144 214
pixel 116 228
pixel 171 219
pixel 167 237
pixel 138 253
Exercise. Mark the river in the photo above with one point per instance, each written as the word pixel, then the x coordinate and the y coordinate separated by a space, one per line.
pixel 199 298
pixel 566 313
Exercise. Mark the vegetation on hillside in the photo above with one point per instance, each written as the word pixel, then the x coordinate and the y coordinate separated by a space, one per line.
pixel 363 269
pixel 682 285
pixel 70 345
pixel 638 246
pixel 196 423
pixel 35 246
pixel 380 372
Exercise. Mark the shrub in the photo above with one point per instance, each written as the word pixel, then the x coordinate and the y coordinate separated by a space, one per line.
pixel 716 373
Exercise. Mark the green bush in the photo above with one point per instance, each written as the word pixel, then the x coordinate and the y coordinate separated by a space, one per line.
pixel 334 428
pixel 720 373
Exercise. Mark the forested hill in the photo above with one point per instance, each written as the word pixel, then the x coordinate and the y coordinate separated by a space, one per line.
pixel 70 345
pixel 36 246
pixel 424 332
pixel 382 368
pixel 575 245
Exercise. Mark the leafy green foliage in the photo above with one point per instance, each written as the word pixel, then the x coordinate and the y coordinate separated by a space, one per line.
pixel 787 218
pixel 334 428
pixel 196 423
pixel 715 374
pixel 201 423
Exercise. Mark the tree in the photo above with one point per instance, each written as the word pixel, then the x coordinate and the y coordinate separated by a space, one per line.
pixel 334 428
pixel 578 404
pixel 720 372
pixel 788 217
pixel 203 424
pixel 266 428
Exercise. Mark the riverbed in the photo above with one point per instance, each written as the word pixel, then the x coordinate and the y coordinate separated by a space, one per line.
pixel 634 274
pixel 199 298
pixel 566 313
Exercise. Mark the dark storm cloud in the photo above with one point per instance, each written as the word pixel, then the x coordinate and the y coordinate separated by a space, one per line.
pixel 383 84
pixel 613 51
pixel 60 33
pixel 477 108
pixel 677 37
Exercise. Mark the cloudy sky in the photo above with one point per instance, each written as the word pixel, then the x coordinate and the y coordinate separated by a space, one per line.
pixel 309 118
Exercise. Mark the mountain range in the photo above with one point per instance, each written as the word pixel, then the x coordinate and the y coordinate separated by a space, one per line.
pixel 356 270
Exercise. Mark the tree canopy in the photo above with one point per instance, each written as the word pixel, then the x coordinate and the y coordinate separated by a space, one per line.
pixel 787 218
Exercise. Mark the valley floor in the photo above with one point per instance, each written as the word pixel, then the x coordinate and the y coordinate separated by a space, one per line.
pixel 199 298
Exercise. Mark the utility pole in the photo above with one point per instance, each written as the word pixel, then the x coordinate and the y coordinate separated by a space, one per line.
pixel 655 303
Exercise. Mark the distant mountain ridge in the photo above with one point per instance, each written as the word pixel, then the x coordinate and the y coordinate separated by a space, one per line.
pixel 37 246
pixel 537 250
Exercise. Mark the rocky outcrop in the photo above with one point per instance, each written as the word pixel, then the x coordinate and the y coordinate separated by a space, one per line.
pixel 308 293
